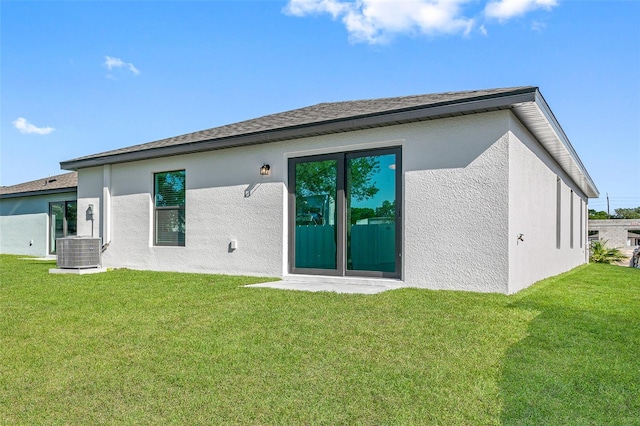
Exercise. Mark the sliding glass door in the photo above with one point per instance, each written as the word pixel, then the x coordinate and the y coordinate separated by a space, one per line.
pixel 345 213
pixel 316 218
pixel 62 221
pixel 371 212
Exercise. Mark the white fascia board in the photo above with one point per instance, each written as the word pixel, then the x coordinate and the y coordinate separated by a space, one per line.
pixel 541 122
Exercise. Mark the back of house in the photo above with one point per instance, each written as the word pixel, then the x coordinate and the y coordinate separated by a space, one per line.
pixel 476 190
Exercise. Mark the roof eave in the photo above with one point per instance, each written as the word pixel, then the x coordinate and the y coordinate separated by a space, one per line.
pixel 541 122
pixel 43 192
pixel 448 109
pixel 527 104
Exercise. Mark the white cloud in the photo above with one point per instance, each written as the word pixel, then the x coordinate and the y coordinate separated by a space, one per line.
pixel 507 9
pixel 25 127
pixel 538 26
pixel 111 63
pixel 376 21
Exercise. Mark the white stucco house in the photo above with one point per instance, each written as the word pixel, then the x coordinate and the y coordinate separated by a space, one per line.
pixel 475 190
pixel 33 214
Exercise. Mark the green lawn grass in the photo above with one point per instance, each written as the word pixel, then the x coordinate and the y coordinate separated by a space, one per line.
pixel 147 347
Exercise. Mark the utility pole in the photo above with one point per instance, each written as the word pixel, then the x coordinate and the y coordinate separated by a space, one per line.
pixel 608 215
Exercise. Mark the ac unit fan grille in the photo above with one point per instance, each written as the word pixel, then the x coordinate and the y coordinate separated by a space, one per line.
pixel 78 252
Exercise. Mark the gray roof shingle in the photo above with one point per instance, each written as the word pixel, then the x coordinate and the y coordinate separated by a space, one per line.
pixel 526 103
pixel 58 183
pixel 302 117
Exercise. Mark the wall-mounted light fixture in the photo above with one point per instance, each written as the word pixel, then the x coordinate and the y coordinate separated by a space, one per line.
pixel 265 170
pixel 89 216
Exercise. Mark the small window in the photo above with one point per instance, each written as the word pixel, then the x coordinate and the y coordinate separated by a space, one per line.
pixel 169 208
pixel 581 223
pixel 558 212
pixel 571 221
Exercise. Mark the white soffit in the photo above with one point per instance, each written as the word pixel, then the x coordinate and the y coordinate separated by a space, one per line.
pixel 540 121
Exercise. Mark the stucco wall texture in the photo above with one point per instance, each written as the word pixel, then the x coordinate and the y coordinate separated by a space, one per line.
pixel 471 184
pixel 24 223
pixel 533 181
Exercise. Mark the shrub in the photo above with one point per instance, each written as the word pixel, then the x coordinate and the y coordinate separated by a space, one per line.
pixel 601 254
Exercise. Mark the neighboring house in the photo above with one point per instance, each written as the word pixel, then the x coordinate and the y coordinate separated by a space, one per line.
pixel 33 214
pixel 478 190
pixel 633 239
pixel 616 232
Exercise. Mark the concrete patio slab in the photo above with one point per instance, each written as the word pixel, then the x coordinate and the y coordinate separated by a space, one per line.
pixel 84 271
pixel 336 287
pixel 42 259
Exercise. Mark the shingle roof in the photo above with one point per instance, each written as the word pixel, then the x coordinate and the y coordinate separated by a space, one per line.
pixel 311 115
pixel 58 183
pixel 526 103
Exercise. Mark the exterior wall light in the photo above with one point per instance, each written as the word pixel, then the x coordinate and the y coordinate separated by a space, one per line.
pixel 265 170
pixel 90 216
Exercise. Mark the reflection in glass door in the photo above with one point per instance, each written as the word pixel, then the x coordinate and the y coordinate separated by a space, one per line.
pixel 344 215
pixel 56 213
pixel 371 213
pixel 71 218
pixel 62 221
pixel 315 214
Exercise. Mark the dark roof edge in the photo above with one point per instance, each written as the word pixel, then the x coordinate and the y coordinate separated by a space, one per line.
pixel 544 107
pixel 43 192
pixel 465 105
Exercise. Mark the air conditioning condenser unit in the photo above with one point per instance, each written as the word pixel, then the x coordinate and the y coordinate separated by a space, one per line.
pixel 78 252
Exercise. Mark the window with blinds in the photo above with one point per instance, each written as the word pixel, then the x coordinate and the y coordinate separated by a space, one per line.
pixel 169 208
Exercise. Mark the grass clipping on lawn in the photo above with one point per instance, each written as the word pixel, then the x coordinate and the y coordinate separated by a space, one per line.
pixel 149 347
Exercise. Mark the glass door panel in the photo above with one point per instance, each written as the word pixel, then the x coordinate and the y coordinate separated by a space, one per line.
pixel 371 213
pixel 72 218
pixel 63 220
pixel 316 222
pixel 56 222
pixel 344 218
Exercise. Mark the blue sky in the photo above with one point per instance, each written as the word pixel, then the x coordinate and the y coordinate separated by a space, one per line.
pixel 79 78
